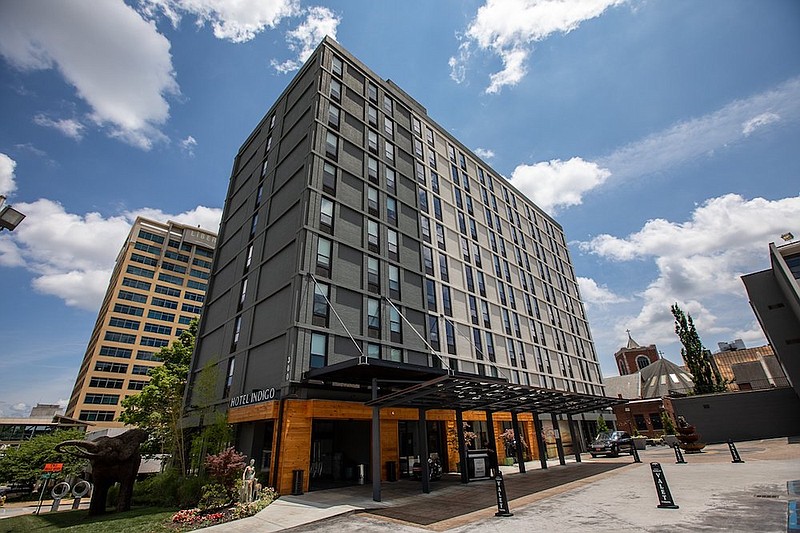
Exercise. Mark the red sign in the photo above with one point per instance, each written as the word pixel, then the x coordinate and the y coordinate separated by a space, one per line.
pixel 53 467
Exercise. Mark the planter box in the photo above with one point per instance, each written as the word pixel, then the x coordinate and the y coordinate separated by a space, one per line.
pixel 640 442
pixel 670 440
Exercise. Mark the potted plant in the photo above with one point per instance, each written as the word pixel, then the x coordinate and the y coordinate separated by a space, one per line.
pixel 639 441
pixel 669 429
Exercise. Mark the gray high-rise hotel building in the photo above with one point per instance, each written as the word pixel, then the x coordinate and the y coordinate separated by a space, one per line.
pixel 361 241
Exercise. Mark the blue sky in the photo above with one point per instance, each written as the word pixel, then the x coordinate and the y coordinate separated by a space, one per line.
pixel 663 135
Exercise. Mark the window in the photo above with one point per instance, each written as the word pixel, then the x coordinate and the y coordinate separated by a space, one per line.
pixel 158 328
pixel 96 416
pixel 144 234
pixel 372 169
pixel 440 237
pixel 373 350
pixel 169 278
pixel 106 383
pixel 336 66
pixel 253 226
pixel 103 366
pixel 425 225
pixel 423 200
pixel 143 259
pixel 198 273
pixel 373 275
pixel 447 305
pixel 160 315
pixel 320 310
pixel 319 350
pixel 396 354
pixel 124 338
pixel 391 182
pixel 427 260
pixel 113 351
pixel 388 151
pixel 324 257
pixel 473 309
pixel 388 127
pixel 433 331
pixel 476 340
pixel 336 90
pixel 392 240
pixel 128 309
pixel 394 282
pixel 242 295
pixel 372 92
pixel 149 248
pixel 247 261
pixel 490 347
pixel 372 141
pixel 152 341
pixel 333 116
pixel 331 145
pixel 437 208
pixel 237 329
pixel 388 104
pixel 374 317
pixel 141 370
pixel 229 376
pixel 329 178
pixel 450 337
pixel 372 116
pixel 144 355
pixel 192 284
pixel 470 278
pixel 326 215
pixel 641 425
pixel 168 291
pixel 373 242
pixel 435 182
pixel 430 289
pixel 136 284
pixel 138 271
pixel 136 384
pixel 105 399
pixel 443 270
pixel 391 211
pixel 372 201
pixel 487 323
pixel 395 328
pixel 161 302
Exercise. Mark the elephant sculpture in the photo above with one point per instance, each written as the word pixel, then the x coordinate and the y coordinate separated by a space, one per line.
pixel 113 459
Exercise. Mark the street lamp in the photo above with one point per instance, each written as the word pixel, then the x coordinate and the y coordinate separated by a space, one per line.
pixel 9 217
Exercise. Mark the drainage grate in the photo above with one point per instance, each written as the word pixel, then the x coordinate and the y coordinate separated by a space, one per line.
pixel 767 496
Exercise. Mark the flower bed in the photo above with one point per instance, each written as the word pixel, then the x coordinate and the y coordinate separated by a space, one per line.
pixel 188 519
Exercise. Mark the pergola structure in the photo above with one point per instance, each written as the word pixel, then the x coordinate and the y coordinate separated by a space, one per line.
pixel 425 388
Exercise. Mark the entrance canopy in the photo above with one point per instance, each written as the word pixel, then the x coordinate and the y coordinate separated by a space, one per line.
pixel 432 388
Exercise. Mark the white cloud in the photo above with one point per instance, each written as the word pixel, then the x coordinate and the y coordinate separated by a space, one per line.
pixel 69 127
pixel 595 294
pixel 319 22
pixel 508 28
pixel 236 21
pixel 700 262
pixel 484 153
pixel 188 145
pixel 118 63
pixel 701 136
pixel 72 255
pixel 7 181
pixel 556 183
pixel 760 121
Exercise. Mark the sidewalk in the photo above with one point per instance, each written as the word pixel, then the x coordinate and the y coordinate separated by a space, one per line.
pixel 597 495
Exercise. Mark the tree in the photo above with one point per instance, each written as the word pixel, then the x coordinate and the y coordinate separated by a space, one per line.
pixel 601 424
pixel 158 408
pixel 226 468
pixel 25 463
pixel 707 378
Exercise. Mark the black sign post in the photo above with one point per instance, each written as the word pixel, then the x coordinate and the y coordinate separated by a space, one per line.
pixel 665 500
pixel 635 454
pixel 734 452
pixel 500 490
pixel 679 455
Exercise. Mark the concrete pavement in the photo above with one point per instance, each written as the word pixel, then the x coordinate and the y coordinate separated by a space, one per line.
pixel 712 493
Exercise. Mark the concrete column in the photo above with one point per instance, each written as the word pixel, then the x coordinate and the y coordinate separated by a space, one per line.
pixel 559 445
pixel 518 439
pixel 540 444
pixel 576 444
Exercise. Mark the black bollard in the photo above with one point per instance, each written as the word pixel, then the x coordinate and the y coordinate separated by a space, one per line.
pixel 635 454
pixel 734 452
pixel 679 456
pixel 665 500
pixel 500 490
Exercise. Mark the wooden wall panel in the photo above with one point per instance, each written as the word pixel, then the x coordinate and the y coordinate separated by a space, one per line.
pixel 251 413
pixel 390 445
pixel 295 453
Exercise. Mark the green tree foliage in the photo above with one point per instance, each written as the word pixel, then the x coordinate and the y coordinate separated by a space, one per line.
pixel 667 423
pixel 26 463
pixel 707 378
pixel 158 407
pixel 601 424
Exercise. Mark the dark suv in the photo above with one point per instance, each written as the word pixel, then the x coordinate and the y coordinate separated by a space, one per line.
pixel 611 443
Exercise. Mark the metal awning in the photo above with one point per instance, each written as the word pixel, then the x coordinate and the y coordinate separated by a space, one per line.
pixel 433 388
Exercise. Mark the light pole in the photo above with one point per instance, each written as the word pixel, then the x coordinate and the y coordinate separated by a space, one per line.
pixel 9 217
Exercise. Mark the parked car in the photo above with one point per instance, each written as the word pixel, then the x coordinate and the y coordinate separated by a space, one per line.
pixel 611 443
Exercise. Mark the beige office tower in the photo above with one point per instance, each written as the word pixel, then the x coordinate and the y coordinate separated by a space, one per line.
pixel 158 286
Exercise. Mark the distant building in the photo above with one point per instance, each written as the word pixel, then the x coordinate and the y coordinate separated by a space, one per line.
pixel 749 368
pixel 775 298
pixel 632 357
pixel 158 286
pixel 44 418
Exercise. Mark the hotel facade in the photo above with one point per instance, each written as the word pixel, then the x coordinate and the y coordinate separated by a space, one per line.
pixel 157 287
pixel 379 293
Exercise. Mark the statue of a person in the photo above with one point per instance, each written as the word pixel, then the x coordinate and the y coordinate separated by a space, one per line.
pixel 249 481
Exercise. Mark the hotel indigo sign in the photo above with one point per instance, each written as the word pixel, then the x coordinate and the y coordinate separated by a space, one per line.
pixel 257 396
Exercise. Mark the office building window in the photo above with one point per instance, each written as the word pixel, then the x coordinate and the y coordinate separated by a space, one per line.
pixel 326 215
pixel 425 225
pixel 372 201
pixel 253 226
pixel 105 399
pixel 336 66
pixel 391 181
pixel 128 309
pixel 242 295
pixel 388 151
pixel 430 289
pixel 248 260
pixel 237 329
pixel 392 243
pixel 487 323
pixel 106 383
pixel 372 141
pixel 490 347
pixel 395 327
pixel 394 282
pixel 103 366
pixel 336 90
pixel 373 275
pixel 447 305
pixel 372 169
pixel 229 377
pixel 433 332
pixel 124 338
pixel 440 237
pixel 333 116
pixel 396 354
pixel 373 350
pixel 374 317
pixel 323 267
pixel 331 145
pixel 473 309
pixel 450 337
pixel 427 260
pixel 476 340
pixel 372 116
pixel 373 242
pixel 329 178
pixel 443 270
pixel 388 127
pixel 391 210
pixel 423 200
pixel 372 92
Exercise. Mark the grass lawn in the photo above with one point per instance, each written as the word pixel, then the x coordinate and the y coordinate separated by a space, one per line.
pixel 142 520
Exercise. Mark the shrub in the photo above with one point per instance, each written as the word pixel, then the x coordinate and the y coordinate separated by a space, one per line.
pixel 168 489
pixel 226 468
pixel 214 496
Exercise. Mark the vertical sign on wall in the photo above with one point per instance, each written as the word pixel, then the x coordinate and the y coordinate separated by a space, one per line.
pixel 665 500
